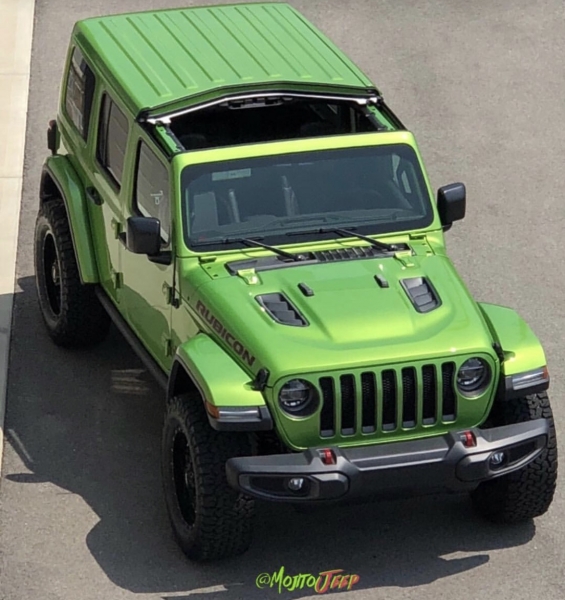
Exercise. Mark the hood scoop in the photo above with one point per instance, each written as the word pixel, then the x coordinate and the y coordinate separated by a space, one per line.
pixel 281 309
pixel 422 294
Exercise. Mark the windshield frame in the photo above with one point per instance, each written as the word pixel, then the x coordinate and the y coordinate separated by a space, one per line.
pixel 228 158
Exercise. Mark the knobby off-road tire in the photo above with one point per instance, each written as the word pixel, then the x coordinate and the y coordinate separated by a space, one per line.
pixel 527 493
pixel 210 519
pixel 71 311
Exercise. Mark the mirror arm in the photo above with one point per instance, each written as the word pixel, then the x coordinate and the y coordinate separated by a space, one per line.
pixel 163 258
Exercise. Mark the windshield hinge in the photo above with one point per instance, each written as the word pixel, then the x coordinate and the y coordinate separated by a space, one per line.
pixel 405 257
pixel 249 276
pixel 206 259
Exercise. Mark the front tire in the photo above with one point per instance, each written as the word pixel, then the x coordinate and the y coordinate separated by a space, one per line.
pixel 527 493
pixel 71 311
pixel 210 520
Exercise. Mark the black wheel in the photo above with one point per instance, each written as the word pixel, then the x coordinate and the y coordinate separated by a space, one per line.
pixel 527 493
pixel 71 311
pixel 209 518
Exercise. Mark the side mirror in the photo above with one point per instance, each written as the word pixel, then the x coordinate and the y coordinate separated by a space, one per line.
pixel 451 202
pixel 143 235
pixel 53 136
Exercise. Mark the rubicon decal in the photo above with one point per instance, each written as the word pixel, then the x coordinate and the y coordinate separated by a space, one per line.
pixel 230 340
pixel 325 581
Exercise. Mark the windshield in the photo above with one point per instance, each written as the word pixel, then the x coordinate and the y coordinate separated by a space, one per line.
pixel 376 190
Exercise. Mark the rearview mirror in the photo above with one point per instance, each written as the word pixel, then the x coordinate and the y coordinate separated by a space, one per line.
pixel 451 203
pixel 143 235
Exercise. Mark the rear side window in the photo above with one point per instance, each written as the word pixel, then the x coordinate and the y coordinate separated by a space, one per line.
pixel 79 92
pixel 152 189
pixel 112 138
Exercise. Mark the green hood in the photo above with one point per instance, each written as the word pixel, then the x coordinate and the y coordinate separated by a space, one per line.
pixel 352 320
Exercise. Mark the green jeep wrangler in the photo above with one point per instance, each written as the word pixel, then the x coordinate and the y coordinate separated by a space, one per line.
pixel 236 196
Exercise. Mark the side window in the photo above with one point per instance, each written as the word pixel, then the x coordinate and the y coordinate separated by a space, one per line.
pixel 152 189
pixel 112 138
pixel 79 92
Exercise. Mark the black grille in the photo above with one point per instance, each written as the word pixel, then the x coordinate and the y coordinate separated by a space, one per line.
pixel 281 309
pixel 388 400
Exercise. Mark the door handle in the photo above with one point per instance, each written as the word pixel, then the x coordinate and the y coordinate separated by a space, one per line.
pixel 93 196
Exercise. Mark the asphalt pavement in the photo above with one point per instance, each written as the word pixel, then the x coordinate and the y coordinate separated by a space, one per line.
pixel 481 84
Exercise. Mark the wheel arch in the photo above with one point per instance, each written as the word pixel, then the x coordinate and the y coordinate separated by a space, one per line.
pixel 60 180
pixel 521 348
pixel 231 402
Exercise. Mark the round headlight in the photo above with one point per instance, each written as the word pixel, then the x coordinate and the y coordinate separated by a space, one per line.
pixel 473 376
pixel 298 397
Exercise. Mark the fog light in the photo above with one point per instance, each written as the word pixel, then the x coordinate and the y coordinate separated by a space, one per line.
pixel 497 459
pixel 296 484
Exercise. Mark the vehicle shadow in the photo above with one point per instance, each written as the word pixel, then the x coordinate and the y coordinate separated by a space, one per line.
pixel 90 422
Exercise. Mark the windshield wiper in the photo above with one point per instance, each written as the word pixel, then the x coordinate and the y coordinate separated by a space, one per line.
pixel 249 242
pixel 349 233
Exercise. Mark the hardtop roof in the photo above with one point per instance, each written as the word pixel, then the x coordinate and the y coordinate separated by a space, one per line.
pixel 174 57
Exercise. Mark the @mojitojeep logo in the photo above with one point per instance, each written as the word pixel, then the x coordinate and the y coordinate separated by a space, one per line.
pixel 326 581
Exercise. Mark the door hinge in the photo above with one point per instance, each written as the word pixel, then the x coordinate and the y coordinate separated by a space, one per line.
pixel 117 227
pixel 169 347
pixel 170 295
pixel 118 280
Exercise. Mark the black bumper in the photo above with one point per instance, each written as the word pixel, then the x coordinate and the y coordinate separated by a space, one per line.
pixel 429 465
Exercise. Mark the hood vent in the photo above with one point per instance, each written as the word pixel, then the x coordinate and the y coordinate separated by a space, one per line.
pixel 422 294
pixel 281 309
pixel 352 253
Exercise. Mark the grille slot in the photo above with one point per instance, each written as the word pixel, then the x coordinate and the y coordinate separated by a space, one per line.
pixel 327 415
pixel 409 397
pixel 383 401
pixel 281 309
pixel 368 403
pixel 448 392
pixel 389 400
pixel 347 404
pixel 429 414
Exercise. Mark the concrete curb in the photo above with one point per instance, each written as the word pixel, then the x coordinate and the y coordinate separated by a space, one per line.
pixel 16 33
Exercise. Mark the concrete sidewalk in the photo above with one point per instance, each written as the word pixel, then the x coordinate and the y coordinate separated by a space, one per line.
pixel 16 30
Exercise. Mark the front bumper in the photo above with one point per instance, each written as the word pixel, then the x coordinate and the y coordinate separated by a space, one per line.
pixel 428 465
